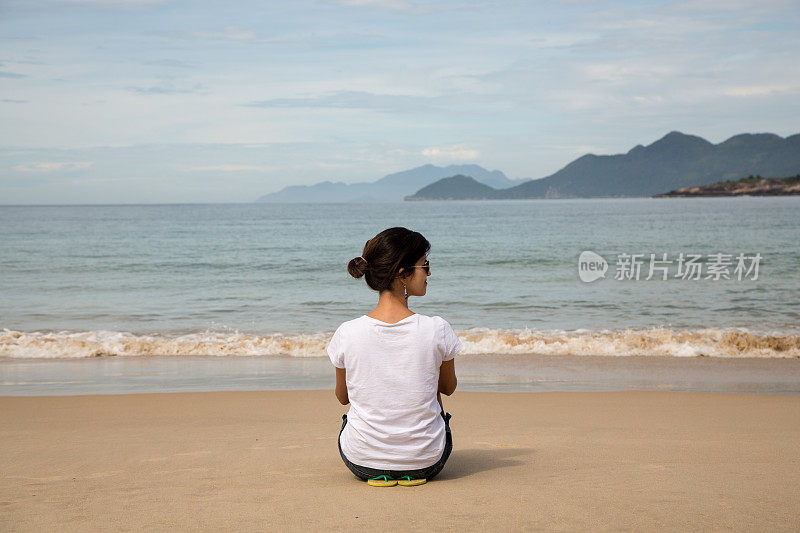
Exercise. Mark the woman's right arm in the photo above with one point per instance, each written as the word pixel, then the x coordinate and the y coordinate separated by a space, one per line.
pixel 447 377
pixel 341 386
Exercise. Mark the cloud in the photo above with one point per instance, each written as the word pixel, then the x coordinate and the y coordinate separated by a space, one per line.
pixel 167 87
pixel 352 100
pixel 171 63
pixel 624 71
pixel 122 3
pixel 759 90
pixel 222 168
pixel 52 166
pixel 89 181
pixel 11 75
pixel 13 101
pixel 451 153
pixel 563 39
pixel 230 33
pixel 394 5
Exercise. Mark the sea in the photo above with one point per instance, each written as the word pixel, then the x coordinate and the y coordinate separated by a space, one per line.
pixel 557 294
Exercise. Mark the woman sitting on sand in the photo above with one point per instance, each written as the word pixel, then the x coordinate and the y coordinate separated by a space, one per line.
pixel 391 366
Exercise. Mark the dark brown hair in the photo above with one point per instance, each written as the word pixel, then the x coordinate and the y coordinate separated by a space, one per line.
pixel 385 254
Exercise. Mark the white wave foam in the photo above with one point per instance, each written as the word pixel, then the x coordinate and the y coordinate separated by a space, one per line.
pixel 713 342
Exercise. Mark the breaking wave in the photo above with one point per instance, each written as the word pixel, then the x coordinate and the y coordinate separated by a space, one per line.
pixel 711 342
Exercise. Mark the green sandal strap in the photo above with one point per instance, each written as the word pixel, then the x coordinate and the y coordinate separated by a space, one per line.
pixel 385 478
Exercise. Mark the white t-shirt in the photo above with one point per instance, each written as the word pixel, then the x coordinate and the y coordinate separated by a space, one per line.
pixel 394 421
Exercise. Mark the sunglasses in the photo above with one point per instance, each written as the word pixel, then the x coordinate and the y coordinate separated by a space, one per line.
pixel 426 265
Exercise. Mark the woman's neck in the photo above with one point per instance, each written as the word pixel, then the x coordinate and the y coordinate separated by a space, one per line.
pixel 390 308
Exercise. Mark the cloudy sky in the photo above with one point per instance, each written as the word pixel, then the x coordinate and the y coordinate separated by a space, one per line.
pixel 124 101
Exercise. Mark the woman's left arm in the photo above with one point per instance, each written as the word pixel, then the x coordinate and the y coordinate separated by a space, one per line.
pixel 341 386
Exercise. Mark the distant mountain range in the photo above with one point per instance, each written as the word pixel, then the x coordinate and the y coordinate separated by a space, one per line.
pixel 390 188
pixel 676 160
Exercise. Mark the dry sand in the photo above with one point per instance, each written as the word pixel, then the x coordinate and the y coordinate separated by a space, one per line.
pixel 521 461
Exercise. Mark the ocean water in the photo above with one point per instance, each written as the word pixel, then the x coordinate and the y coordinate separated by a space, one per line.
pixel 243 280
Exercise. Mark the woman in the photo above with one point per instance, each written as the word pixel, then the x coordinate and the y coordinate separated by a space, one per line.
pixel 391 366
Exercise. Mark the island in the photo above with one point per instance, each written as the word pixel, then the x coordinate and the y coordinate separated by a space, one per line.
pixel 749 186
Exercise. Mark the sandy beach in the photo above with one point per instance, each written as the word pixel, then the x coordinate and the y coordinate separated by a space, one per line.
pixel 634 460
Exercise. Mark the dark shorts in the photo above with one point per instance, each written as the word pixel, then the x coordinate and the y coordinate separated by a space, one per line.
pixel 366 473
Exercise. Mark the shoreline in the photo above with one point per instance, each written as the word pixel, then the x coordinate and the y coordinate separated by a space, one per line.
pixel 268 460
pixel 494 373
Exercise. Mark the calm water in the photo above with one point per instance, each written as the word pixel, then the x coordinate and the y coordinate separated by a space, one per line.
pixel 267 279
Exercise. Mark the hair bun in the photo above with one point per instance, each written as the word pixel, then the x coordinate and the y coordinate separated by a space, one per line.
pixel 357 267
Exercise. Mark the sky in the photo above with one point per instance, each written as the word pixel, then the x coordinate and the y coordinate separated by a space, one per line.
pixel 158 101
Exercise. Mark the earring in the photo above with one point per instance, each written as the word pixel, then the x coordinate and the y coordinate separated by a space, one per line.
pixel 405 294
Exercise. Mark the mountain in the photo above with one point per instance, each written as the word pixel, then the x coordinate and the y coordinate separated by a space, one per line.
pixel 455 188
pixel 675 161
pixel 390 188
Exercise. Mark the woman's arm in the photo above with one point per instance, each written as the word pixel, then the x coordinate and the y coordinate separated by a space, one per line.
pixel 341 386
pixel 447 377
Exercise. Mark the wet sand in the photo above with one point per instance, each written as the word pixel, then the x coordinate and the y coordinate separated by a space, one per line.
pixel 478 373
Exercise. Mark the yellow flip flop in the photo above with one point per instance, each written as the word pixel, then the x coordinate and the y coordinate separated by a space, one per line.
pixel 385 482
pixel 406 481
